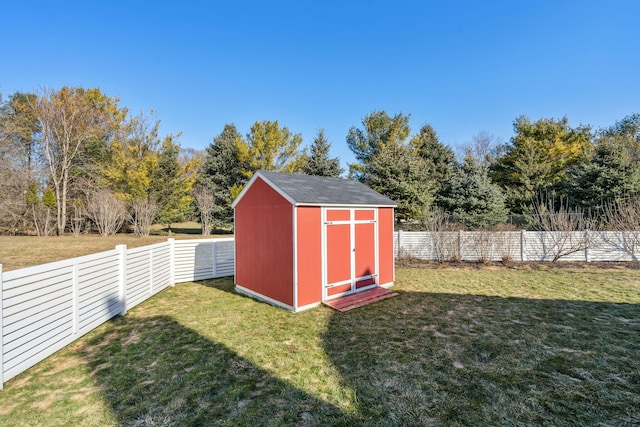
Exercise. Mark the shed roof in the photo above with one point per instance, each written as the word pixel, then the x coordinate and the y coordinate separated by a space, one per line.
pixel 302 189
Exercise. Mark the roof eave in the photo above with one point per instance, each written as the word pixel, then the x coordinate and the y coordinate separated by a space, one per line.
pixel 356 205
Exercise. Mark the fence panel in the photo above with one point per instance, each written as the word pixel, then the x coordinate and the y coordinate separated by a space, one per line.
pixel 46 307
pixel 224 258
pixel 414 243
pixel 203 259
pixel 98 291
pixel 614 246
pixel 519 245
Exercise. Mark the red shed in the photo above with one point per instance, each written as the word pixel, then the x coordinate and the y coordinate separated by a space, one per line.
pixel 301 239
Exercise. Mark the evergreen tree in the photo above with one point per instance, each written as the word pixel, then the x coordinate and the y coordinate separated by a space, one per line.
pixel 538 158
pixel 319 163
pixel 389 165
pixel 471 198
pixel 166 184
pixel 221 172
pixel 381 133
pixel 399 174
pixel 626 132
pixel 439 159
pixel 611 174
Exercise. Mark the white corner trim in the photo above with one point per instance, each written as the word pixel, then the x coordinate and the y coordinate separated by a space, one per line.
pixel 294 255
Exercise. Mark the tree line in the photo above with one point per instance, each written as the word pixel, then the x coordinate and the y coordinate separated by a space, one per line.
pixel 547 172
pixel 548 169
pixel 74 159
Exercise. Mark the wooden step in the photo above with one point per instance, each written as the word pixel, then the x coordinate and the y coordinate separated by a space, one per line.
pixel 359 299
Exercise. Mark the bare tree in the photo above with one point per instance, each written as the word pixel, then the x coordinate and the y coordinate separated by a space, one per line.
pixel 205 201
pixel 565 228
pixel 622 225
pixel 106 211
pixel 506 237
pixel 78 218
pixel 483 144
pixel 483 244
pixel 141 214
pixel 445 236
pixel 68 118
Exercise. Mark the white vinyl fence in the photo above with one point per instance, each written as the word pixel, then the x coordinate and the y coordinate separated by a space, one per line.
pixel 46 307
pixel 519 245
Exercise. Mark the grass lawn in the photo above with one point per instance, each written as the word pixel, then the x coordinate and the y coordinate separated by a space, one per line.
pixel 24 251
pixel 494 346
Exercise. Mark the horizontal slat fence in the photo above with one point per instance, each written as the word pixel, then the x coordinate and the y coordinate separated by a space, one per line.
pixel 193 259
pixel 46 307
pixel 518 245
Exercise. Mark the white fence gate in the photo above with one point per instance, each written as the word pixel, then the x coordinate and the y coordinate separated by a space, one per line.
pixel 46 307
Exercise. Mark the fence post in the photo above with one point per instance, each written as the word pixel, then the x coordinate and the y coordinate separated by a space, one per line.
pixel 214 264
pixel 460 245
pixel 76 299
pixel 586 248
pixel 172 261
pixel 399 251
pixel 1 332
pixel 522 253
pixel 122 264
pixel 151 271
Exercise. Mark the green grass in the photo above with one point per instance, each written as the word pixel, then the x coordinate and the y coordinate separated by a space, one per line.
pixel 456 347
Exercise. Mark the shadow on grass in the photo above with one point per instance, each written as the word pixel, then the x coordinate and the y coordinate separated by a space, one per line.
pixel 154 371
pixel 189 231
pixel 446 359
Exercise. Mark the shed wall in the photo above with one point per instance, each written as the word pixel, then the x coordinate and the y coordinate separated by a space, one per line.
pixel 264 243
pixel 385 245
pixel 309 239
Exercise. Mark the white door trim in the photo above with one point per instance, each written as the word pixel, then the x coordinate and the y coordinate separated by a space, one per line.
pixel 353 280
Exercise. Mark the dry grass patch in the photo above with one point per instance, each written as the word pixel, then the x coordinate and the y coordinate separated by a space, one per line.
pixel 25 251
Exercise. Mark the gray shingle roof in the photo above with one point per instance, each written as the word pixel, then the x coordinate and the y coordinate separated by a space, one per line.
pixel 317 190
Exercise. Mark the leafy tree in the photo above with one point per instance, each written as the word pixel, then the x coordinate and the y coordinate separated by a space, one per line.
pixel 20 126
pixel 381 132
pixel 438 158
pixel 133 157
pixel 220 172
pixel 538 158
pixel 270 147
pixel 19 165
pixel 471 198
pixel 319 163
pixel 33 200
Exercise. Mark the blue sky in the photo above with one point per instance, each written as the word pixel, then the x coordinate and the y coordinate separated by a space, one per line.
pixel 461 66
